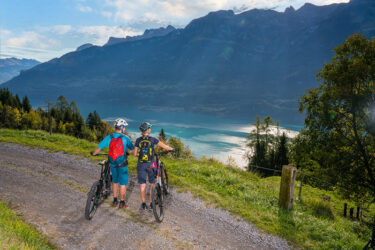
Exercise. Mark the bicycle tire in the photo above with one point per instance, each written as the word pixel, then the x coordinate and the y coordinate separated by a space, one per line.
pixel 108 182
pixel 92 201
pixel 157 203
pixel 164 179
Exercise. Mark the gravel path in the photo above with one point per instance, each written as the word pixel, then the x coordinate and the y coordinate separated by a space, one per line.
pixel 50 190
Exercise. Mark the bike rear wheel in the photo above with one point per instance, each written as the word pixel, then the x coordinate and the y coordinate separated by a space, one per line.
pixel 157 203
pixel 164 179
pixel 93 199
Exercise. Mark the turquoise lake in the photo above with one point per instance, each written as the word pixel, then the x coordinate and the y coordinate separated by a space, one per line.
pixel 206 135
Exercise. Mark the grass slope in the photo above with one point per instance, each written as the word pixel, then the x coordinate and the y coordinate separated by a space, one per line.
pixel 16 234
pixel 313 223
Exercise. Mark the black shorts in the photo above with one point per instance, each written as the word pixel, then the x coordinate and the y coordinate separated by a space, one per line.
pixel 143 171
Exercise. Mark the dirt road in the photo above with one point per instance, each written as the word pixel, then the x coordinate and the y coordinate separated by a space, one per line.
pixel 50 190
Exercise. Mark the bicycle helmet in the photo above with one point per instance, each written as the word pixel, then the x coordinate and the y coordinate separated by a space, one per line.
pixel 144 126
pixel 120 123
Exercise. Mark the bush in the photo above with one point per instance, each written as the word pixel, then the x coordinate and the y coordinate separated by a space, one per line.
pixel 69 128
pixel 61 128
pixel 180 150
pixel 88 134
pixel 31 120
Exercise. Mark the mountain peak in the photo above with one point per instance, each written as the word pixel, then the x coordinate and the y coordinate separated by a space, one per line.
pixel 222 13
pixel 84 46
pixel 148 33
pixel 290 9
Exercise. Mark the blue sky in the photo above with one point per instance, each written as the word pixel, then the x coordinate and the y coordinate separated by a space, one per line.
pixel 44 29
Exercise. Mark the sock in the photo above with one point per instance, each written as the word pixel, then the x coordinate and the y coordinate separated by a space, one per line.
pixel 115 199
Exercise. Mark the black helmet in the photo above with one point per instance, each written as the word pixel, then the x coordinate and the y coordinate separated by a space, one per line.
pixel 144 126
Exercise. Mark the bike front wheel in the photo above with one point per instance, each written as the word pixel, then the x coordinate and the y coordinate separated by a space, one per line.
pixel 93 199
pixel 157 203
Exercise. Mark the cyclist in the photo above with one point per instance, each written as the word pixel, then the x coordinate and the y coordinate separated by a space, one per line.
pixel 146 162
pixel 118 143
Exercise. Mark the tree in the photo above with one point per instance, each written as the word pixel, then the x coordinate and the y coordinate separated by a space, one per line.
pixel 93 120
pixel 263 141
pixel 338 116
pixel 31 120
pixel 69 128
pixel 26 106
pixel 62 103
pixel 79 123
pixel 68 115
pixel 18 104
pixel 281 157
pixel 12 117
pixel 61 127
pixel 74 107
pixel 103 130
pixel 180 150
pixel 162 136
pixel 7 98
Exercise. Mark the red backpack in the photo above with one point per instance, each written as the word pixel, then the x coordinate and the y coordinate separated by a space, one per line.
pixel 116 154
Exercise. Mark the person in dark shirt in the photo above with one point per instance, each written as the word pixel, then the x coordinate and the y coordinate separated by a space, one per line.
pixel 145 146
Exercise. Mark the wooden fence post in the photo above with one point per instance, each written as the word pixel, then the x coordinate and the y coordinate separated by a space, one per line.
pixel 288 177
pixel 300 187
pixel 358 211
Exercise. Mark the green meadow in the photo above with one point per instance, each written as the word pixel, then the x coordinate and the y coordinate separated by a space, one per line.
pixel 315 222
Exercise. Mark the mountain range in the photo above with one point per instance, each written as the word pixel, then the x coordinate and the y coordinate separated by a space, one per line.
pixel 11 67
pixel 226 64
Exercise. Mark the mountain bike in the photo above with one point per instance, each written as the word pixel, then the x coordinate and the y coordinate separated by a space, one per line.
pixel 371 243
pixel 100 189
pixel 160 189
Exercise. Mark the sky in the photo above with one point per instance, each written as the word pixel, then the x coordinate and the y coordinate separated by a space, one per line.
pixel 45 29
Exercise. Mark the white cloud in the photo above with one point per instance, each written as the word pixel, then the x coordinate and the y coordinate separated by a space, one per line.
pixel 84 8
pixel 106 14
pixel 5 33
pixel 180 12
pixel 61 29
pixel 100 34
pixel 32 39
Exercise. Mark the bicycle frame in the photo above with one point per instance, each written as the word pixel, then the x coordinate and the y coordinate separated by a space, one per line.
pixel 158 170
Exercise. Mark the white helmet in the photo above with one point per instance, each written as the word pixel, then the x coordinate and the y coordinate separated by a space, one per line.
pixel 120 122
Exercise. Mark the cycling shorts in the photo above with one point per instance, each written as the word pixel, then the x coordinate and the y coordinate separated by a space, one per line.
pixel 120 175
pixel 144 170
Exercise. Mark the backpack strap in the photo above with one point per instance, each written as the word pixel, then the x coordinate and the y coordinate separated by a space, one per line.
pixel 122 136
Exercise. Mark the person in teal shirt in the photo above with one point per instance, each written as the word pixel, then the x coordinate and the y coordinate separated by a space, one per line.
pixel 119 166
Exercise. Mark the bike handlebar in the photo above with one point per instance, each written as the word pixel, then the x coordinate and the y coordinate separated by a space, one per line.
pixel 163 153
pixel 100 155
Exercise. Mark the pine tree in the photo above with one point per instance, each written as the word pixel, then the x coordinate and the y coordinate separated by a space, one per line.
pixel 7 98
pixel 26 104
pixel 282 153
pixel 162 136
pixel 62 103
pixel 90 120
pixel 96 119
pixel 18 104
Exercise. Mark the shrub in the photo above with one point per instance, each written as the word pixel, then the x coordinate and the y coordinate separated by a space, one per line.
pixel 31 120
pixel 61 128
pixel 88 134
pixel 180 150
pixel 69 128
